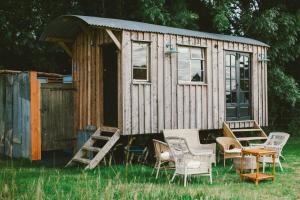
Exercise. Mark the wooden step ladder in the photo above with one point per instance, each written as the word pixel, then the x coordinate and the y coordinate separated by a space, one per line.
pixel 231 128
pixel 90 155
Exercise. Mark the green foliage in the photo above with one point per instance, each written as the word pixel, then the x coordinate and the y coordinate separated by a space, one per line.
pixel 284 98
pixel 155 12
pixel 281 30
pixel 172 13
pixel 283 86
pixel 222 16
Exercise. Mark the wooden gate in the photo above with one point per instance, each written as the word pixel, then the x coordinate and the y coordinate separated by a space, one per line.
pixel 57 116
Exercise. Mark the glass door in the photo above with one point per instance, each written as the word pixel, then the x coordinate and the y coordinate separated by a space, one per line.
pixel 237 85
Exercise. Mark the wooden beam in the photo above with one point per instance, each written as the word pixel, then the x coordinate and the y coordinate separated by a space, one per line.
pixel 114 38
pixel 35 123
pixel 66 48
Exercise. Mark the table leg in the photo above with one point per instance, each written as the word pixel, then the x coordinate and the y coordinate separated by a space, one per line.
pixel 273 170
pixel 257 169
pixel 241 167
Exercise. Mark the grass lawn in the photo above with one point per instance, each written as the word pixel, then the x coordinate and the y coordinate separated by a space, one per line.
pixel 24 180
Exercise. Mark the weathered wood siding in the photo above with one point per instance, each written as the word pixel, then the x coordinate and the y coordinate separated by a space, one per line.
pixel 15 131
pixel 57 116
pixel 87 76
pixel 164 103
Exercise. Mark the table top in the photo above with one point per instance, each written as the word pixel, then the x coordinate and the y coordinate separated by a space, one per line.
pixel 258 151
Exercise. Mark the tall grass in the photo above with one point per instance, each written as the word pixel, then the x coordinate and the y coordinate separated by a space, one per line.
pixel 25 180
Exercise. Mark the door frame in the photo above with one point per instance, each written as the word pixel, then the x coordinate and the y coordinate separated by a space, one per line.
pixel 250 54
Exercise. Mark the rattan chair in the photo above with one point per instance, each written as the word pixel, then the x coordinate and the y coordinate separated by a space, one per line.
pixel 276 141
pixel 192 138
pixel 230 148
pixel 163 156
pixel 188 163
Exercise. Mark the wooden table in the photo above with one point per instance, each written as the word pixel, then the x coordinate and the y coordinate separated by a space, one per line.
pixel 257 176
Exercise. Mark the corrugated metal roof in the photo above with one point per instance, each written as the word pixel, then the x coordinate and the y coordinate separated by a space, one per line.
pixel 68 26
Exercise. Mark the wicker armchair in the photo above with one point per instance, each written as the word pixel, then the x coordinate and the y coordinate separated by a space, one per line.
pixel 276 141
pixel 186 162
pixel 230 148
pixel 163 156
pixel 192 138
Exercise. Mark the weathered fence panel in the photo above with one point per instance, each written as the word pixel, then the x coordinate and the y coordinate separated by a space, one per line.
pixel 57 116
pixel 14 115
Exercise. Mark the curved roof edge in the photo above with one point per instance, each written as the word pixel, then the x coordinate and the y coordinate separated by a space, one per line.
pixel 68 26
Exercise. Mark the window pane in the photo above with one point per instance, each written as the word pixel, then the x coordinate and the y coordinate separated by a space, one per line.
pixel 246 60
pixel 242 61
pixel 233 96
pixel 247 100
pixel 233 72
pixel 233 85
pixel 228 97
pixel 232 60
pixel 191 64
pixel 196 53
pixel 228 72
pixel 227 60
pixel 183 53
pixel 244 97
pixel 184 70
pixel 245 85
pixel 140 74
pixel 139 55
pixel 202 75
pixel 227 85
pixel 247 73
pixel 140 60
pixel 196 70
pixel 242 73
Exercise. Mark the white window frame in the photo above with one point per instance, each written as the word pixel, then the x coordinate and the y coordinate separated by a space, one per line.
pixel 202 60
pixel 148 61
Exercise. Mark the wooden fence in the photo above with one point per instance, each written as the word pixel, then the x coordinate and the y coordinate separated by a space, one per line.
pixel 57 116
pixel 34 117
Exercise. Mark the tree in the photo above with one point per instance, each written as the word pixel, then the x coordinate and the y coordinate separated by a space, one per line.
pixel 278 24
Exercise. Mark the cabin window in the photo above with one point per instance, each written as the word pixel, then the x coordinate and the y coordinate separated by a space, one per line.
pixel 140 61
pixel 191 64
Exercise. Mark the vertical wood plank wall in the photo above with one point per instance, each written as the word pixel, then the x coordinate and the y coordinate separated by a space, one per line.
pixel 15 130
pixel 163 103
pixel 57 116
pixel 87 78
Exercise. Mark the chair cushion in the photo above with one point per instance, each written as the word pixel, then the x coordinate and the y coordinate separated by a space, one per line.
pixel 268 159
pixel 234 150
pixel 208 151
pixel 165 155
pixel 193 164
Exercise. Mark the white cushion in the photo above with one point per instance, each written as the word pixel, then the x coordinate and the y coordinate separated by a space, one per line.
pixel 193 164
pixel 165 155
pixel 208 151
pixel 234 150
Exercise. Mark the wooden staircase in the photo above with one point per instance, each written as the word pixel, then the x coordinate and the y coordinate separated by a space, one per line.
pixel 91 155
pixel 234 128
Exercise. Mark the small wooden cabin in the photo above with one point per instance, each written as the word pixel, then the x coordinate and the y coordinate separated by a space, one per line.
pixel 143 78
